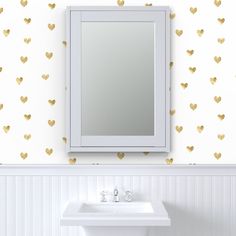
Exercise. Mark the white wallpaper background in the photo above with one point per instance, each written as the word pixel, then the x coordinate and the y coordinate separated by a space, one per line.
pixel 32 83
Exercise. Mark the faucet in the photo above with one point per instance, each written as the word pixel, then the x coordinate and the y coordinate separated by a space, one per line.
pixel 115 196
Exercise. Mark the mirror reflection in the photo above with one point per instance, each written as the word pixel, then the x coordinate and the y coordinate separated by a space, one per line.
pixel 117 78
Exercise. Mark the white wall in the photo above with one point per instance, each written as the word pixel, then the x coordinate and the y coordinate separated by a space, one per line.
pixel 201 90
pixel 201 201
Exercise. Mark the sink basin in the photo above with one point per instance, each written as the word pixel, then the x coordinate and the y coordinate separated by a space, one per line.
pixel 115 214
pixel 117 208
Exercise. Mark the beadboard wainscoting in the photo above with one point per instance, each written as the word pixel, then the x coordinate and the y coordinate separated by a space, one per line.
pixel 200 200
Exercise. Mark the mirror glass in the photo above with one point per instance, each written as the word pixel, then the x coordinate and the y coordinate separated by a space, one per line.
pixel 117 78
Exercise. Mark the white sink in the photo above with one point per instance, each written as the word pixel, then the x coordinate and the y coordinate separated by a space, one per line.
pixel 112 218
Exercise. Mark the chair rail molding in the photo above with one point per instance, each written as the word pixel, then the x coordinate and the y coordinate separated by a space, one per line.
pixel 120 170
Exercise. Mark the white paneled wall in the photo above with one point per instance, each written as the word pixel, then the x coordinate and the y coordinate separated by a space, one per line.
pixel 200 200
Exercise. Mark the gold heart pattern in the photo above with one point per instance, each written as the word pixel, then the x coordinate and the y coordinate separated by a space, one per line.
pixel 49 151
pixel 120 155
pixel 27 40
pixel 49 55
pixel 51 122
pixel 72 161
pixel 200 32
pixel 6 32
pixel 179 32
pixel 178 128
pixel 217 3
pixel 172 16
pixel 51 26
pixel 193 106
pixel 52 5
pixel 200 128
pixel 23 3
pixel 169 161
pixel 217 155
pixel 120 3
pixel 23 155
pixel 193 10
pixel 27 136
pixel 193 79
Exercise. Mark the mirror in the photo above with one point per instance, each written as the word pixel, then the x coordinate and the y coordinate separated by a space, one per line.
pixel 118 79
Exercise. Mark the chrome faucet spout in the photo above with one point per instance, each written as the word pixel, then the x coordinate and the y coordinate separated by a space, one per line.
pixel 116 195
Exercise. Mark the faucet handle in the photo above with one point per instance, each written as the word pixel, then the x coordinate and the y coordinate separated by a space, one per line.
pixel 103 196
pixel 128 196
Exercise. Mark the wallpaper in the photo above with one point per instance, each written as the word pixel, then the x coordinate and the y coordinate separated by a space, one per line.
pixel 32 83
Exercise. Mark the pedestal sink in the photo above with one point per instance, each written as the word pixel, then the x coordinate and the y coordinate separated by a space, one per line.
pixel 115 218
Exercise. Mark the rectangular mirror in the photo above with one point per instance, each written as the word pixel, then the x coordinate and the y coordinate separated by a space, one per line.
pixel 118 79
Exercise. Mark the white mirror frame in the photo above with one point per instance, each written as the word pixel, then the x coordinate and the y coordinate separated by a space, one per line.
pixel 160 142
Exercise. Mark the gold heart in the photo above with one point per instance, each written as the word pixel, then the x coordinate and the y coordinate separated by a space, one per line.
pixel 192 69
pixel 217 99
pixel 19 80
pixel 120 3
pixel 217 3
pixel 172 112
pixel 24 155
pixel 49 151
pixel 221 40
pixel 172 16
pixel 193 106
pixel 23 2
pixel 217 59
pixel 184 85
pixel 6 32
pixel 200 32
pixel 213 80
pixel 23 59
pixel 120 155
pixel 49 55
pixel 200 128
pixel 221 116
pixel 27 136
pixel 193 10
pixel 27 40
pixel 1 10
pixel 6 128
pixel 27 116
pixel 169 161
pixel 51 26
pixel 24 99
pixel 51 122
pixel 52 102
pixel 217 155
pixel 52 5
pixel 1 106
pixel 27 20
pixel 190 148
pixel 171 64
pixel 179 32
pixel 45 76
pixel 72 161
pixel 179 128
pixel 190 52
pixel 148 4
pixel 221 20
pixel 64 139
pixel 221 136
pixel 64 43
pixel 146 153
